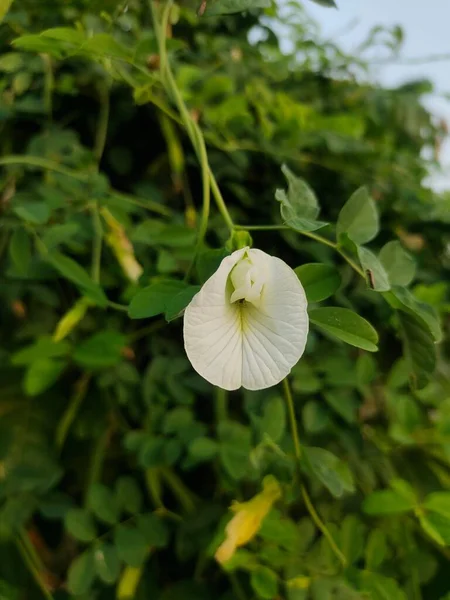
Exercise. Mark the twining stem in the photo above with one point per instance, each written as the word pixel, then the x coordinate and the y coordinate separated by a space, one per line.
pixel 103 120
pixel 183 494
pixel 48 86
pixel 84 176
pixel 305 495
pixel 292 419
pixel 97 243
pixel 72 410
pixel 193 130
pixel 33 562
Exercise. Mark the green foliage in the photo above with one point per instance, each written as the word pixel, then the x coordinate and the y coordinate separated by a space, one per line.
pixel 320 281
pixel 299 205
pixel 118 462
pixel 346 326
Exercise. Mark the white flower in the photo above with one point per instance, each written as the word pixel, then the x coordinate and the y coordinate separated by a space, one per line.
pixel 248 324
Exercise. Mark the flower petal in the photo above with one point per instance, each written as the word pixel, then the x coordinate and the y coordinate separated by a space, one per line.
pixel 212 329
pixel 243 344
pixel 275 332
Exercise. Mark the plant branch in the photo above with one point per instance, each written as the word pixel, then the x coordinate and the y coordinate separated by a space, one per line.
pixel 72 410
pixel 298 456
pixel 33 563
pixel 84 176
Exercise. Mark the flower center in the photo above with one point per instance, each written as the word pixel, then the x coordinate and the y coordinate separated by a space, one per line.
pixel 248 282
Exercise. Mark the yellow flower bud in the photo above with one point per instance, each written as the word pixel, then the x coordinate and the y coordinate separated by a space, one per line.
pixel 71 319
pixel 248 519
pixel 122 247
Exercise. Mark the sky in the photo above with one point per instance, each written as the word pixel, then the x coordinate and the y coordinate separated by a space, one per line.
pixel 426 32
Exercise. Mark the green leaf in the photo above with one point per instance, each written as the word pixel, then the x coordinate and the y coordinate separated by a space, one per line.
pixel 73 36
pixel 320 281
pixel 224 7
pixel 209 261
pixel 5 6
pixel 377 278
pixel 330 470
pixel 273 423
pixel 366 369
pixel 176 305
pixel 131 545
pixel 72 271
pixel 154 530
pixel 400 499
pixel 107 563
pixel 203 449
pixel 418 348
pixel 105 45
pixel 327 3
pixel 315 416
pixel 32 211
pixel 157 233
pixel 101 350
pixel 41 374
pixel 81 574
pixel 438 502
pixel 352 538
pixel 358 218
pixel 437 526
pixel 299 206
pixel 102 502
pixel 381 587
pixel 43 347
pixel 235 448
pixel 80 524
pixel 264 582
pixel 20 250
pixel 128 495
pixel 343 403
pixel 347 326
pixel 376 549
pixel 154 299
pixel 403 299
pixel 398 263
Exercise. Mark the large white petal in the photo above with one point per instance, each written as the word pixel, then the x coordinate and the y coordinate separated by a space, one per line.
pixel 275 332
pixel 250 345
pixel 212 329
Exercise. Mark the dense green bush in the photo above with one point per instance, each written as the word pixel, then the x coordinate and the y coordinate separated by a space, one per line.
pixel 118 463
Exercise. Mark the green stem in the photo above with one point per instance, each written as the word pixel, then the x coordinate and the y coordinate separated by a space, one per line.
pixel 292 419
pixel 193 130
pixel 145 331
pixel 102 128
pixel 321 525
pixel 261 227
pixel 298 455
pixel 153 481
pixel 96 243
pixel 221 405
pixel 220 202
pixel 309 234
pixel 33 563
pixel 72 410
pixel 183 494
pixel 97 459
pixel 352 263
pixel 49 165
pixel 48 86
pixel 117 306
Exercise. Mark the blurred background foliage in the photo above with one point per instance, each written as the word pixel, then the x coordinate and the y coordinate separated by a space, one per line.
pixel 117 461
